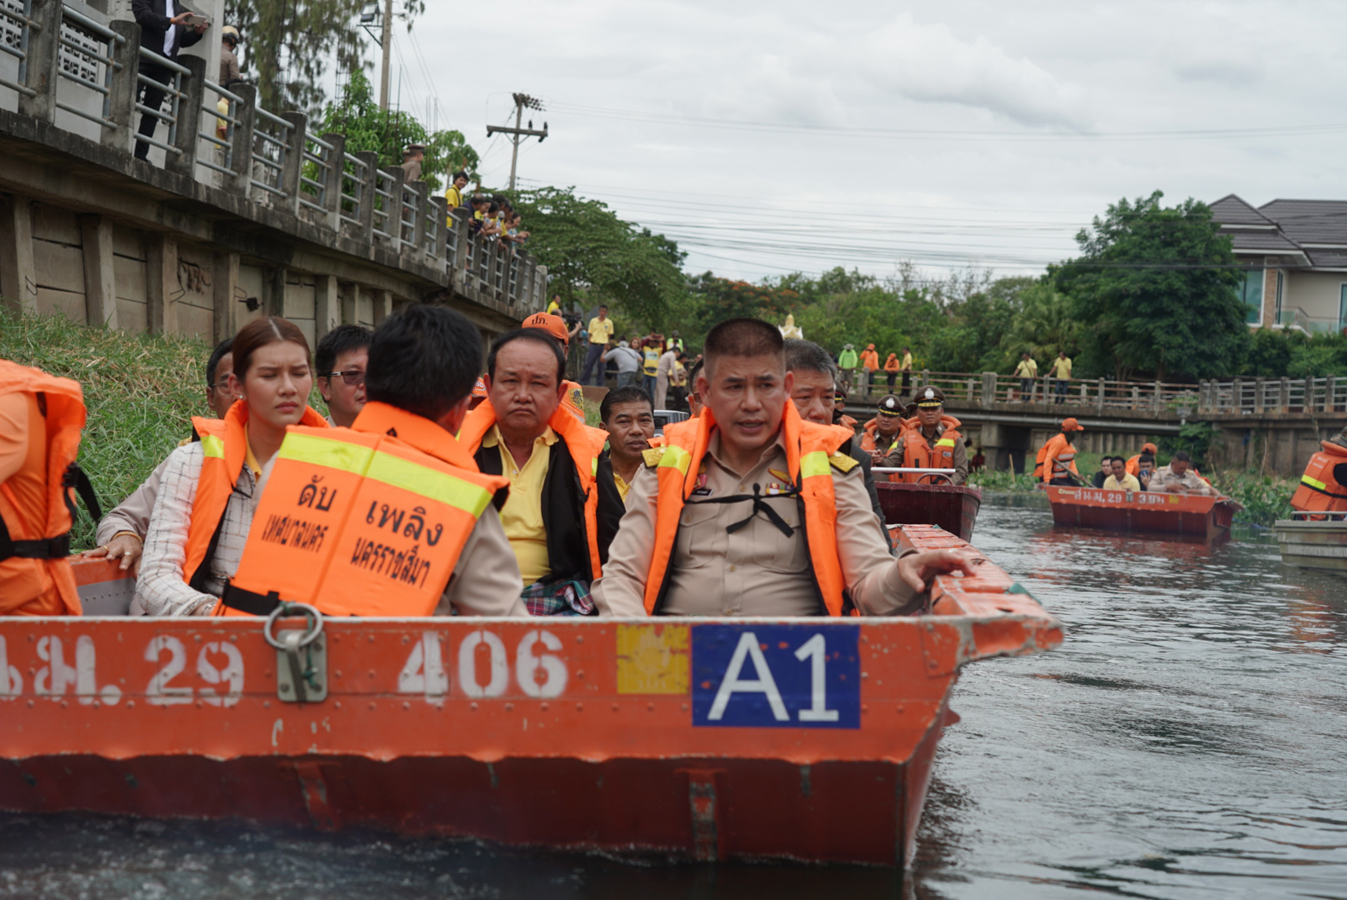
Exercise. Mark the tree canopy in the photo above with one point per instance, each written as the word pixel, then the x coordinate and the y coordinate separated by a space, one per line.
pixel 1154 291
pixel 288 46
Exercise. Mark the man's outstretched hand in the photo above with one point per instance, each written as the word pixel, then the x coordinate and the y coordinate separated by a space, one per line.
pixel 917 569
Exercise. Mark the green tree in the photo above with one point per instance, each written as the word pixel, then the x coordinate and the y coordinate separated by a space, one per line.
pixel 356 114
pixel 592 255
pixel 721 299
pixel 288 46
pixel 1044 323
pixel 1154 292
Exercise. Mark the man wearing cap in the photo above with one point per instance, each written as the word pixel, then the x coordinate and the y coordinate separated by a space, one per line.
pixel 412 158
pixel 751 511
pixel 1134 464
pixel 881 433
pixel 1056 462
pixel 930 440
pixel 574 398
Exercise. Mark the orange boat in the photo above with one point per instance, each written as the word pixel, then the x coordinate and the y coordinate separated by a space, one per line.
pixel 709 739
pixel 953 507
pixel 1190 515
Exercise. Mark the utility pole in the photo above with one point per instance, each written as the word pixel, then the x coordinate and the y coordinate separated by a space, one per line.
pixel 387 43
pixel 517 133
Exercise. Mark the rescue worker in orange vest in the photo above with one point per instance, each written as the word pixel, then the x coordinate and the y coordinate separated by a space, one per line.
pixel 1134 463
pixel 1056 462
pixel 881 433
pixel 211 487
pixel 931 440
pixel 751 511
pixel 40 421
pixel 574 397
pixel 1323 487
pixel 560 518
pixel 389 517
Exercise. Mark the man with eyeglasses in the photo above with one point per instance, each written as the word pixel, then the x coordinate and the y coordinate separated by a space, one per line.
pixel 341 359
pixel 121 534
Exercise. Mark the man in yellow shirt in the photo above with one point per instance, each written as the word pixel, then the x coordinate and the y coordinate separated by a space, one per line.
pixel 629 418
pixel 1027 373
pixel 1120 479
pixel 906 370
pixel 1061 370
pixel 600 333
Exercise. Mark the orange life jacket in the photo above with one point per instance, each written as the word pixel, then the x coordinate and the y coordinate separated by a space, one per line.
pixel 872 440
pixel 36 580
pixel 574 400
pixel 224 446
pixel 368 520
pixel 1320 489
pixel 918 454
pixel 582 442
pixel 811 453
pixel 1063 455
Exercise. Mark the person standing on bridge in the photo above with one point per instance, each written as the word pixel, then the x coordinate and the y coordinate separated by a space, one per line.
pixel 1027 373
pixel 166 27
pixel 869 368
pixel 1061 370
pixel 847 361
pixel 891 369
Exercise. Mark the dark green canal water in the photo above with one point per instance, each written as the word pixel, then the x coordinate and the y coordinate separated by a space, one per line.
pixel 1188 740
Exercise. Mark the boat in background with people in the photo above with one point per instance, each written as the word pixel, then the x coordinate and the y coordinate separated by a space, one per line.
pixel 1207 517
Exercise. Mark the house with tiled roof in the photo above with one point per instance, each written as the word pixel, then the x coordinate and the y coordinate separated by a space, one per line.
pixel 1295 256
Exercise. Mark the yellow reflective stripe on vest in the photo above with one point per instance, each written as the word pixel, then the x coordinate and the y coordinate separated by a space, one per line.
pixel 1314 483
pixel 594 468
pixel 815 463
pixel 945 442
pixel 212 446
pixel 341 455
pixel 676 458
pixel 399 473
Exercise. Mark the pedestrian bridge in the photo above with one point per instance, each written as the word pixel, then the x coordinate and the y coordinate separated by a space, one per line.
pixel 240 212
pixel 1273 424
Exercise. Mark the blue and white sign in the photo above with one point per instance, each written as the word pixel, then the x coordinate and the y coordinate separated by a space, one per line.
pixel 776 676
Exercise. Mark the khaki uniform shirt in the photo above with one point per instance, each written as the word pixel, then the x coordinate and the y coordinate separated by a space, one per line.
pixel 1164 479
pixel 894 459
pixel 757 570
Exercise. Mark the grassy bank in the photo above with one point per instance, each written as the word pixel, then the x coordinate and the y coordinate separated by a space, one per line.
pixel 140 392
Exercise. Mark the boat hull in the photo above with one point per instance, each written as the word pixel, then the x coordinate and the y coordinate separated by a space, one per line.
pixel 1205 518
pixel 629 736
pixel 1313 543
pixel 953 507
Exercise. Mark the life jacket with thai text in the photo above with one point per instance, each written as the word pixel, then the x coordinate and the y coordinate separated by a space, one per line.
pixel 356 521
pixel 812 452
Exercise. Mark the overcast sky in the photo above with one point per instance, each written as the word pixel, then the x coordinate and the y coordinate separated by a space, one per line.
pixel 768 137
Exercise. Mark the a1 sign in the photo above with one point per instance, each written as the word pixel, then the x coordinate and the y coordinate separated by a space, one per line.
pixel 776 676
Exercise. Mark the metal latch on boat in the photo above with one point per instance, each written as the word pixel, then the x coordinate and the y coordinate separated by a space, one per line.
pixel 301 654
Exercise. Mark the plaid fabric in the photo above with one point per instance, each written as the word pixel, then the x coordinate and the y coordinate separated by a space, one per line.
pixel 558 598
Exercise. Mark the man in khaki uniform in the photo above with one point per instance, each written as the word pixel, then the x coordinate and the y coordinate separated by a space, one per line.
pixel 739 548
pixel 931 424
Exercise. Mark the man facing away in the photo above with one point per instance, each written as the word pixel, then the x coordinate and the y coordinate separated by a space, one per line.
pixel 121 533
pixel 629 418
pixel 560 518
pixel 1179 478
pixel 600 332
pixel 1119 478
pixel 749 510
pixel 340 360
pixel 422 365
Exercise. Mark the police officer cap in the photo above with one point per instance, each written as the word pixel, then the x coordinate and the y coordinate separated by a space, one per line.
pixel 891 406
pixel 930 396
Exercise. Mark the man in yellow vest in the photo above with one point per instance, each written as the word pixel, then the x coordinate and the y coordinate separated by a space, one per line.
pixel 751 511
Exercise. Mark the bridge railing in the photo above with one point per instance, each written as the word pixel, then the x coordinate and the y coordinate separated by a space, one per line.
pixel 66 56
pixel 1260 396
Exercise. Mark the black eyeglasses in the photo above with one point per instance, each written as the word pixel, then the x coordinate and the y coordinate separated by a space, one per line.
pixel 351 378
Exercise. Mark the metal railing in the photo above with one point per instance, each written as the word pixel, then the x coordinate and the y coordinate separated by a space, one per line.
pixel 72 58
pixel 1295 317
pixel 1257 396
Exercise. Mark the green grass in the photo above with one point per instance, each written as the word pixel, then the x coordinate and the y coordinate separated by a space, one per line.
pixel 1265 498
pixel 140 392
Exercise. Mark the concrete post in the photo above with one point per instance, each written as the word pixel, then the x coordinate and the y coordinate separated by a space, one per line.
pixel 1156 402
pixel 273 292
pixel 383 305
pixel 241 154
pixel 100 282
pixel 1100 405
pixel 394 220
pixel 294 162
pixel 122 90
pixel 161 283
pixel 419 193
pixel 1258 395
pixel 224 288
pixel 1284 401
pixel 1308 405
pixel 332 186
pixel 189 118
pixel 435 230
pixel 1330 392
pixel 44 60
pixel 368 197
pixel 988 388
pixel 18 268
pixel 1136 397
pixel 327 305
